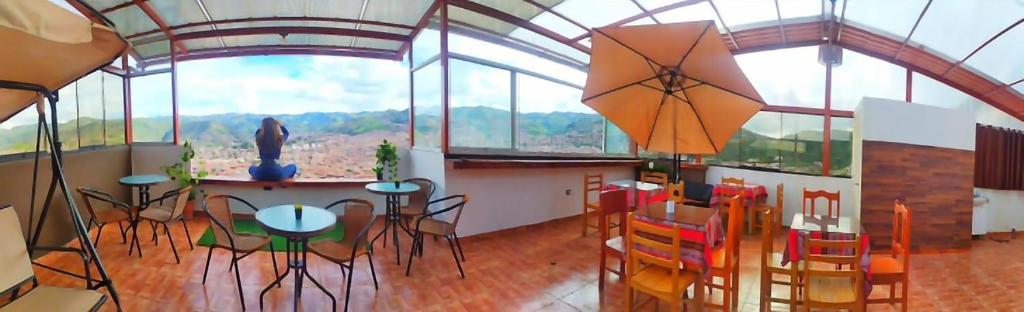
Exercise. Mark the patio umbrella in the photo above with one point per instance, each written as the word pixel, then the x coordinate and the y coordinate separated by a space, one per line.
pixel 673 88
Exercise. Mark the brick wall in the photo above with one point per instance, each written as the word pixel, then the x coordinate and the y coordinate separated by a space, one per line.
pixel 936 183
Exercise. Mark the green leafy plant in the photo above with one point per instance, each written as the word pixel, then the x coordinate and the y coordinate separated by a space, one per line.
pixel 387 156
pixel 182 171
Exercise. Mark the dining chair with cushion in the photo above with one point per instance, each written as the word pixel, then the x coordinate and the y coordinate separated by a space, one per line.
pixel 18 273
pixel 831 198
pixel 611 203
pixel 677 193
pixel 725 260
pixel 761 208
pixel 417 204
pixel 771 266
pixel 649 271
pixel 177 200
pixel 429 224
pixel 592 186
pixel 892 269
pixel 828 288
pixel 240 245
pixel 659 178
pixel 357 219
pixel 116 212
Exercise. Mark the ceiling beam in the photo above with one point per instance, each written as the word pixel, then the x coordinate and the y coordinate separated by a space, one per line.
pixel 282 30
pixel 423 22
pixel 159 21
pixel 644 10
pixel 119 6
pixel 912 30
pixel 560 15
pixel 649 13
pixel 728 32
pixel 512 19
pixel 274 19
pixel 958 63
pixel 200 54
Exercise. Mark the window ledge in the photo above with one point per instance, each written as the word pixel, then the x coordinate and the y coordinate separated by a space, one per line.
pixel 267 185
pixel 471 163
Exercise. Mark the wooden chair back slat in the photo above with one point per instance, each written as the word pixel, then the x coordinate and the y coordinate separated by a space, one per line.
pixel 813 196
pixel 677 192
pixel 612 202
pixel 659 178
pixel 734 230
pixel 901 233
pixel 637 241
pixel 834 266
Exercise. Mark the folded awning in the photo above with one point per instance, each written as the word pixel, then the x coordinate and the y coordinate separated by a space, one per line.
pixel 46 45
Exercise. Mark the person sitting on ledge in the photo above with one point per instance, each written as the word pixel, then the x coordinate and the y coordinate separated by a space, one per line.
pixel 269 139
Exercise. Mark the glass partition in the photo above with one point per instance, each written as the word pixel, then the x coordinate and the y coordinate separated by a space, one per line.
pixel 863 76
pixel 551 118
pixel 841 153
pixel 481 106
pixel 152 113
pixel 428 104
pixel 786 77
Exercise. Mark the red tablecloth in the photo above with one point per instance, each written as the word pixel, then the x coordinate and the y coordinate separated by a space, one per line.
pixel 797 240
pixel 751 193
pixel 645 196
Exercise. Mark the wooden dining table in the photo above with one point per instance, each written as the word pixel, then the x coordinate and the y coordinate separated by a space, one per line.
pixel 699 226
pixel 836 228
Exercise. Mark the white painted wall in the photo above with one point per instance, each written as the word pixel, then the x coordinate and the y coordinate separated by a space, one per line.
pixel 148 159
pixel 794 187
pixel 901 122
pixel 508 198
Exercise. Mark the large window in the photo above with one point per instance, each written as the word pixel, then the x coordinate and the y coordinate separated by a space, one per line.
pixel 553 120
pixel 481 106
pixel 841 154
pixel 152 113
pixel 787 77
pixel 82 116
pixel 337 111
pixel 429 103
pixel 777 141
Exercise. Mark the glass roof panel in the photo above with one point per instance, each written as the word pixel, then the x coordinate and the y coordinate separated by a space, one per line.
pixel 376 44
pixel 386 29
pixel 1001 58
pixel 204 43
pixel 406 12
pixel 955 28
pixel 100 5
pixel 153 49
pixel 694 12
pixel 131 20
pixel 473 19
pixel 177 12
pixel 558 25
pixel 745 12
pixel 804 8
pixel 1019 87
pixel 512 57
pixel 520 9
pixel 931 92
pixel 804 81
pixel 253 40
pixel 863 76
pixel 597 13
pixel 894 18
pixel 654 4
pixel 230 9
pixel 642 21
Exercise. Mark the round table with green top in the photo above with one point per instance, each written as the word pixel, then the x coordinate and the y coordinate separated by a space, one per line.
pixel 297 228
pixel 393 193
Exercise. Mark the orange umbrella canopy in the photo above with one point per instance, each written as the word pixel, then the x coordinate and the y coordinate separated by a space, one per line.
pixel 673 88
pixel 45 45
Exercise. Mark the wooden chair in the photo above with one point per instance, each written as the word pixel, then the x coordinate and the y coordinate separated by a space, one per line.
pixel 428 224
pixel 677 193
pixel 813 196
pixel 771 265
pixel 894 269
pixel 827 288
pixel 757 224
pixel 117 212
pixel 225 237
pixel 726 260
pixel 358 218
pixel 592 185
pixel 612 203
pixel 659 178
pixel 417 204
pixel 723 199
pixel 18 271
pixel 178 199
pixel 662 278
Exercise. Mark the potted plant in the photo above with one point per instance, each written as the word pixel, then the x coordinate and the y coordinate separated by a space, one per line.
pixel 387 158
pixel 182 172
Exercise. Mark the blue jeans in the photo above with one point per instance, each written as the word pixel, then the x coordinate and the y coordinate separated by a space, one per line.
pixel 272 172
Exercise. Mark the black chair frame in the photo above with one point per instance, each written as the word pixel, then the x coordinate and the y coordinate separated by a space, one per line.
pixel 234 251
pixel 352 257
pixel 106 198
pixel 417 245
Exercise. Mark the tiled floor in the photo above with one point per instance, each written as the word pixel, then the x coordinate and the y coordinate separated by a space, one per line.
pixel 547 267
